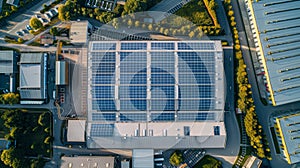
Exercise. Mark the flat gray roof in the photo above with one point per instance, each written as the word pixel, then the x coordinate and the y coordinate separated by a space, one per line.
pixel 278 22
pixel 87 161
pixel 76 131
pixel 7 62
pixel 13 2
pixel 290 136
pixel 31 58
pixel 33 76
pixel 142 158
pixel 1 3
pixel 30 75
pixel 79 32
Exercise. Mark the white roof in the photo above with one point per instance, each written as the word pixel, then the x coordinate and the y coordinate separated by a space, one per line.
pixel 87 161
pixel 171 128
pixel 61 72
pixel 76 130
pixel 142 158
pixel 30 75
pixel 79 32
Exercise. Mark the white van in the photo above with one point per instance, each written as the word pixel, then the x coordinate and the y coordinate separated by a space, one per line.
pixel 159 159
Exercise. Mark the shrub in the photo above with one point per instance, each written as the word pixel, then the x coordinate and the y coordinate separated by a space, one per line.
pixel 176 158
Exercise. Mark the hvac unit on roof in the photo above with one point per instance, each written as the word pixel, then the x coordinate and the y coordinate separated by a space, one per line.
pixel 136 132
pixel 165 132
pixel 151 132
pixel 144 132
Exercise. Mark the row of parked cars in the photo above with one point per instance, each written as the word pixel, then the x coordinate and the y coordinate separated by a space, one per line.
pixel 49 15
pixel 158 159
pixel 22 32
pixel 102 4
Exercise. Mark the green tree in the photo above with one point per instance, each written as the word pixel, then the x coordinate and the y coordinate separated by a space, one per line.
pixel 54 31
pixel 35 23
pixel 137 23
pixel 13 8
pixel 44 119
pixel 9 98
pixel 132 6
pixel 48 140
pixel 20 40
pixel 64 13
pixel 176 159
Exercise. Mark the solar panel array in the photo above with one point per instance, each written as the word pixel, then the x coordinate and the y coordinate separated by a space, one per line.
pixel 152 81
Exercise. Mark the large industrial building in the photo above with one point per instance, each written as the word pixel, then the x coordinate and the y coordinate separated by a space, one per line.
pixel 8 70
pixel 276 29
pixel 155 95
pixel 289 136
pixel 88 161
pixel 33 78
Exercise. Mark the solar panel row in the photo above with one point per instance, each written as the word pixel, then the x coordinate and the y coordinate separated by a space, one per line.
pixel 165 116
pixel 126 71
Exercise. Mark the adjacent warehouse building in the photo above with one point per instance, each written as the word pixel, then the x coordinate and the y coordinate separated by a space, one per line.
pixel 33 78
pixel 62 73
pixel 276 29
pixel 8 69
pixel 289 136
pixel 79 32
pixel 155 94
pixel 76 131
pixel 88 161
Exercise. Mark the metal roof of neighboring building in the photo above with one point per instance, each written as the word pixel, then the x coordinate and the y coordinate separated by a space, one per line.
pixel 33 76
pixel 142 158
pixel 4 144
pixel 76 131
pixel 252 162
pixel 79 32
pixel 278 26
pixel 30 75
pixel 87 161
pixel 1 3
pixel 290 136
pixel 31 58
pixel 8 62
pixel 13 2
pixel 61 73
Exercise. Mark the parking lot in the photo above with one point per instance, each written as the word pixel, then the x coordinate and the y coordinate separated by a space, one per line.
pixel 190 157
pixel 18 24
pixel 102 4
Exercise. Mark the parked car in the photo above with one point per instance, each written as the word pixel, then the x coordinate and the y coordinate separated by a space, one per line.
pixel 28 27
pixel 48 16
pixel 19 33
pixel 24 31
pixel 55 9
pixel 43 20
pixel 37 16
pixel 53 12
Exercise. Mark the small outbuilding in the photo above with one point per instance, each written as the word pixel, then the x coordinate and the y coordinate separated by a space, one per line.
pixel 61 73
pixel 88 161
pixel 76 131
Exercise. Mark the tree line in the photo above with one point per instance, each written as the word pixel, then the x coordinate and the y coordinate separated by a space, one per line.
pixel 245 101
pixel 30 137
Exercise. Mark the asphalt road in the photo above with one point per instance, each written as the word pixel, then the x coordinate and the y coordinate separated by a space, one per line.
pixel 263 112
